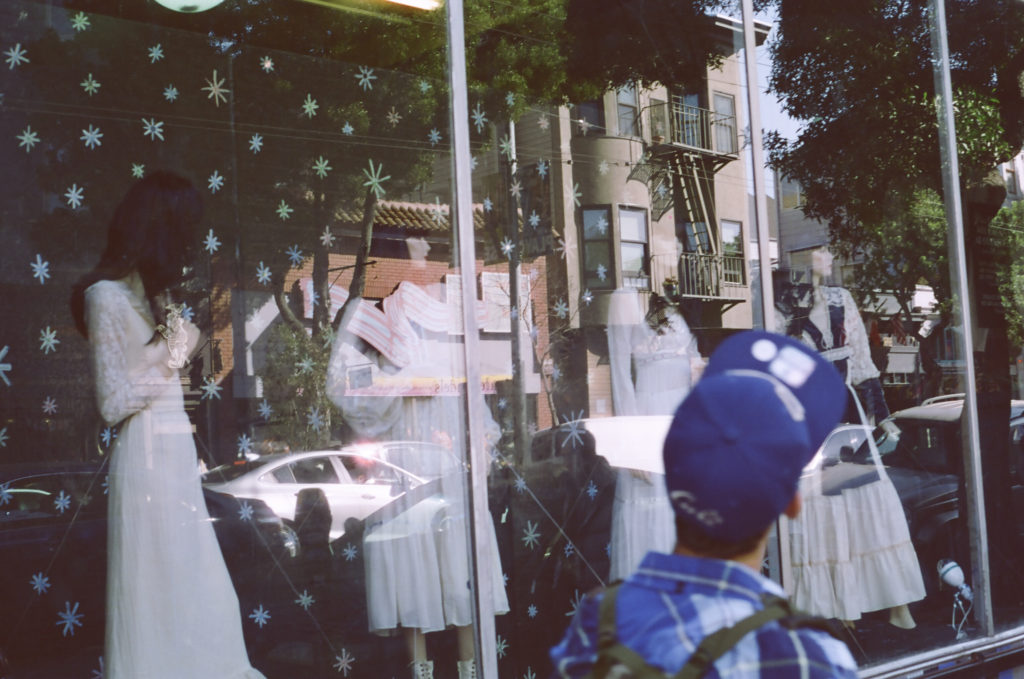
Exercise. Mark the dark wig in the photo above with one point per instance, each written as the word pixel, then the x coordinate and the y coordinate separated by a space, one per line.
pixel 153 232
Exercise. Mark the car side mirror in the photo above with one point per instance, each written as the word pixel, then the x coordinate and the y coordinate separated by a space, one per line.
pixel 846 453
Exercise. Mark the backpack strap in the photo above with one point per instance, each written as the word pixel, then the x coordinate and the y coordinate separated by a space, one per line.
pixel 715 645
pixel 610 652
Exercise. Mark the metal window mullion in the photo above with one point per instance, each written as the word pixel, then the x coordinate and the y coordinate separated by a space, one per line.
pixel 976 522
pixel 481 556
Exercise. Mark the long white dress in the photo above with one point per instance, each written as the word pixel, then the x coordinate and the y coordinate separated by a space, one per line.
pixel 172 610
pixel 642 517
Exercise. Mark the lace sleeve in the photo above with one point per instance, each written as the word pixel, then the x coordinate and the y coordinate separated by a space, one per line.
pixel 122 389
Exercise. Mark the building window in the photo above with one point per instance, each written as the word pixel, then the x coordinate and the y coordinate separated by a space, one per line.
pixel 792 196
pixel 597 248
pixel 633 247
pixel 694 237
pixel 627 107
pixel 588 117
pixel 1012 187
pixel 725 124
pixel 732 249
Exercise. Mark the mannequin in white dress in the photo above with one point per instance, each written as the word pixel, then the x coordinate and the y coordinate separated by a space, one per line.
pixel 651 369
pixel 172 610
pixel 417 565
pixel 851 549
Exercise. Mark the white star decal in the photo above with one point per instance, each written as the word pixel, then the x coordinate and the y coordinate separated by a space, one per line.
pixel 321 167
pixel 310 106
pixel 255 143
pixel 507 246
pixel 74 196
pixel 90 85
pixel 260 616
pixel 265 410
pixel 327 238
pixel 479 118
pixel 434 137
pixel 263 275
pixel 49 405
pixel 5 367
pixel 210 388
pixel 216 90
pixel 69 619
pixel 393 117
pixel 576 194
pixel 138 170
pixel 80 22
pixel 16 56
pixel 374 180
pixel 48 340
pixel 294 255
pixel 156 53
pixel 543 122
pixel 215 182
pixel 153 129
pixel 211 243
pixel 40 270
pixel 40 583
pixel 365 78
pixel 531 537
pixel 305 600
pixel 170 93
pixel 343 662
pixel 267 64
pixel 283 211
pixel 542 167
pixel 27 138
pixel 91 137
pixel 347 129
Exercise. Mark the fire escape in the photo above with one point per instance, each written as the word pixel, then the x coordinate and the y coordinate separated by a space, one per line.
pixel 687 146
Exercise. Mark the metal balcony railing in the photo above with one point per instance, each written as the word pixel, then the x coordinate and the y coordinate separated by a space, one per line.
pixel 693 127
pixel 719 276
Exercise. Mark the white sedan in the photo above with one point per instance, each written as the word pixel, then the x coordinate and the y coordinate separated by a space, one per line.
pixel 356 481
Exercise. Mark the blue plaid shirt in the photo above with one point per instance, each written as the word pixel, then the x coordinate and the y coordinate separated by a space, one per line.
pixel 672 602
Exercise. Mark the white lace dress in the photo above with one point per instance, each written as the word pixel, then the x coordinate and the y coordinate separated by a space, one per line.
pixel 171 608
pixel 642 517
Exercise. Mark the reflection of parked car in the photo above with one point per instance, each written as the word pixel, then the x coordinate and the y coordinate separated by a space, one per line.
pixel 921 448
pixel 354 482
pixel 53 547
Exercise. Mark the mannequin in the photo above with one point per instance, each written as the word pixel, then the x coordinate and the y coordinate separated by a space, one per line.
pixel 850 547
pixel 416 559
pixel 650 359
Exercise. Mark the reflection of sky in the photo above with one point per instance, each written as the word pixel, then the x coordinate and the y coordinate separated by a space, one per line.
pixel 772 116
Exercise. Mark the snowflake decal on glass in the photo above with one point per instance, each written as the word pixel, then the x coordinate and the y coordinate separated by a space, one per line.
pixel 531 537
pixel 568 550
pixel 98 674
pixel 215 182
pixel 314 419
pixel 90 85
pixel 327 238
pixel 267 64
pixel 170 93
pixel 531 611
pixel 16 56
pixel 530 674
pixel 587 297
pixel 574 603
pixel 601 225
pixel 561 309
pixel 255 143
pixel 602 272
pixel 516 189
pixel 260 616
pixel 591 490
pixel 74 196
pixel 5 367
pixel 519 484
pixel 294 255
pixel 263 273
pixel 347 129
pixel 107 435
pixel 534 219
pixel 62 502
pixel 265 410
pixel 310 106
pixel 3 437
pixel 138 170
pixel 210 389
pixel 215 89
pixel 479 118
pixel 365 78
pixel 40 583
pixel 69 619
pixel 244 444
pixel 321 166
pixel 50 406
pixel 27 139
pixel 80 22
pixel 245 511
pixel 488 204
pixel 507 246
pixel 153 129
pixel 40 270
pixel 156 53
pixel 5 493
pixel 283 210
pixel 350 552
pixel 374 180
pixel 543 122
pixel 48 340
pixel 305 600
pixel 501 646
pixel 343 662
pixel 603 167
pixel 542 168
pixel 576 194
pixel 211 243
pixel 434 136
pixel 393 117
pixel 573 427
pixel 506 147
pixel 424 86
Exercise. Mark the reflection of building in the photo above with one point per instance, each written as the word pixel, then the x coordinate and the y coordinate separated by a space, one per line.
pixel 1011 171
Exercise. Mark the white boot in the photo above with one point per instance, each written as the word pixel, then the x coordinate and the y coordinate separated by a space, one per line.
pixel 423 669
pixel 467 669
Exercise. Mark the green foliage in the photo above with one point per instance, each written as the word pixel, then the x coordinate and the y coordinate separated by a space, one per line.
pixel 295 386
pixel 1008 235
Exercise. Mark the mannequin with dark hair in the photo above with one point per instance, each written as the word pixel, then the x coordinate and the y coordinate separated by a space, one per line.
pixel 171 607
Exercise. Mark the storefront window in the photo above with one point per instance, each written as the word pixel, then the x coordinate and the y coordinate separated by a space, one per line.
pixel 255 386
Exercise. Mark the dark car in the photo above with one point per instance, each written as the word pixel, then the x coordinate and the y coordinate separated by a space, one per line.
pixel 53 547
pixel 921 448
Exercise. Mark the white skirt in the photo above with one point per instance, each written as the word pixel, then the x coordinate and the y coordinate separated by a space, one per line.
pixel 642 521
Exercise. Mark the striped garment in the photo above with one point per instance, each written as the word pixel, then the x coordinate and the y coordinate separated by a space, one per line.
pixel 672 602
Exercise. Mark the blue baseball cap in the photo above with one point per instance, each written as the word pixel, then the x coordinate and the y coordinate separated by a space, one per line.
pixel 740 440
